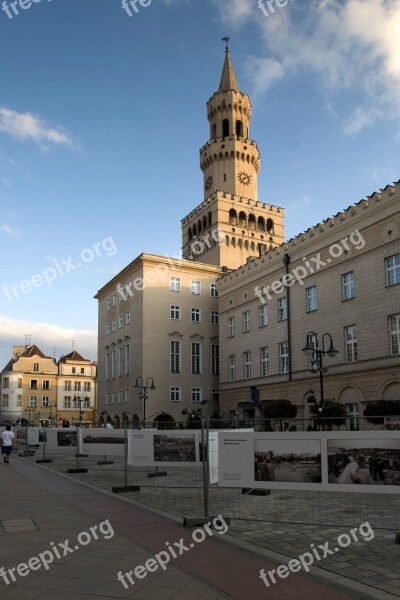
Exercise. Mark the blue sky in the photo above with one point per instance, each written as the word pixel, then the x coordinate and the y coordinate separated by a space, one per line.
pixel 102 116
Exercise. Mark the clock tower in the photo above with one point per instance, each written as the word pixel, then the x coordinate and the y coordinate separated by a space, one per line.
pixel 231 225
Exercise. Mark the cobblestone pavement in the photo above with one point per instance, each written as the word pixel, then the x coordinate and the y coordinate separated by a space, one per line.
pixel 284 522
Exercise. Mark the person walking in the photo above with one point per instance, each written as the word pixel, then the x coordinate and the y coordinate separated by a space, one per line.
pixel 7 443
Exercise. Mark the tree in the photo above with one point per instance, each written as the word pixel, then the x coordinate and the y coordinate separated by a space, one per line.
pixel 280 410
pixel 194 419
pixel 381 408
pixel 334 412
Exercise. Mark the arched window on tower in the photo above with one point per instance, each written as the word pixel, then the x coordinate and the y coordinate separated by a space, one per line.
pixel 194 230
pixel 214 131
pixel 233 217
pixel 252 222
pixel 270 226
pixel 199 226
pixel 209 219
pixel 242 219
pixel 225 128
pixel 261 224
pixel 190 233
pixel 239 129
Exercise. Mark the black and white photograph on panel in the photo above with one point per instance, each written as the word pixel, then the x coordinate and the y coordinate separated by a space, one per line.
pixel 174 448
pixel 67 438
pixel 366 462
pixel 288 460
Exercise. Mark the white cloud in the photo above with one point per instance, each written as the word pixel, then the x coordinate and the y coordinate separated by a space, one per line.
pixel 46 337
pixel 8 230
pixel 25 126
pixel 345 47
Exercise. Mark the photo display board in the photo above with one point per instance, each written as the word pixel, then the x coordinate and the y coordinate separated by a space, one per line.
pixel 20 435
pixel 361 461
pixel 166 448
pixel 62 438
pixel 100 441
pixel 213 450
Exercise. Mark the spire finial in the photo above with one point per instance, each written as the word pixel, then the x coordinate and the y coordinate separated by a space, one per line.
pixel 226 40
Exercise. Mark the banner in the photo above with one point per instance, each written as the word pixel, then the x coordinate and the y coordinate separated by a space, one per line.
pixel 327 461
pixel 106 442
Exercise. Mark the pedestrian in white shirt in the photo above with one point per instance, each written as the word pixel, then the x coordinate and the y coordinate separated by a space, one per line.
pixel 7 443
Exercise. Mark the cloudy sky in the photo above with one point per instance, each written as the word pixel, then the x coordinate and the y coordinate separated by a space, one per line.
pixel 102 115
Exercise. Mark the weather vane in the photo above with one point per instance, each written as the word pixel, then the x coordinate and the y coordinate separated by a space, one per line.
pixel 226 40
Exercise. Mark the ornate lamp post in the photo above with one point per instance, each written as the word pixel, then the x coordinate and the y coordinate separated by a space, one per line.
pixel 315 355
pixel 143 394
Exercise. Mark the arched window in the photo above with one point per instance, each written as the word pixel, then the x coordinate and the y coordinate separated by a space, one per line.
pixel 239 128
pixel 232 217
pixel 270 226
pixel 261 224
pixel 190 233
pixel 214 131
pixel 209 219
pixel 242 219
pixel 225 128
pixel 252 222
pixel 199 226
pixel 194 230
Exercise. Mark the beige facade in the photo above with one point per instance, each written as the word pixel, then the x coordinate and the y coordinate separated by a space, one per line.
pixel 76 394
pixel 158 319
pixel 32 387
pixel 343 278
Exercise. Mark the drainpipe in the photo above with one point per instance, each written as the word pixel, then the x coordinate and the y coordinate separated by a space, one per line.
pixel 286 262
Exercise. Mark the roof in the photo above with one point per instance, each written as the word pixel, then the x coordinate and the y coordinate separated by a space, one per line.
pixel 228 77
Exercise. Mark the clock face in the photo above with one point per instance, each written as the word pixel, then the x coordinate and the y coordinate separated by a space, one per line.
pixel 244 178
pixel 209 182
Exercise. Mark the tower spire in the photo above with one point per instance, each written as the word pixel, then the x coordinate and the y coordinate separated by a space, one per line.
pixel 228 78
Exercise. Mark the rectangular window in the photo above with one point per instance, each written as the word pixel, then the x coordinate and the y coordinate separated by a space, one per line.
pixel 86 402
pixel 19 382
pixel 121 321
pixel 108 303
pixel 128 317
pixel 351 343
pixel 120 350
pixel 196 315
pixel 393 269
pixel 215 359
pixel 348 286
pixel 6 382
pixel 75 402
pixel 231 327
pixel 232 368
pixel 353 421
pixel 126 394
pixel 45 384
pixel 82 370
pixel 247 364
pixel 214 317
pixel 127 358
pixel 34 384
pixel 215 395
pixel 263 315
pixel 282 309
pixel 45 401
pixel 394 327
pixel 112 397
pixel 196 395
pixel 114 301
pixel 175 284
pixel 175 394
pixel 113 364
pixel 77 386
pixel 196 358
pixel 67 401
pixel 175 357
pixel 119 396
pixel 73 370
pixel 107 365
pixel 87 386
pixel 175 312
pixel 19 401
pixel 107 398
pixel 36 367
pixel 195 287
pixel 311 298
pixel 264 358
pixel 284 357
pixel 33 401
pixel 4 401
pixel 114 325
pixel 108 328
pixel 213 290
pixel 246 321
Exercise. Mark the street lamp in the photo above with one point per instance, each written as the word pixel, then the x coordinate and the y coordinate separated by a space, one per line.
pixel 315 356
pixel 143 394
pixel 78 398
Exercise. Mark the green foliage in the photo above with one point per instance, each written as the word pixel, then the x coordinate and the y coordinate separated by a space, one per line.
pixel 381 408
pixel 334 413
pixel 279 409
